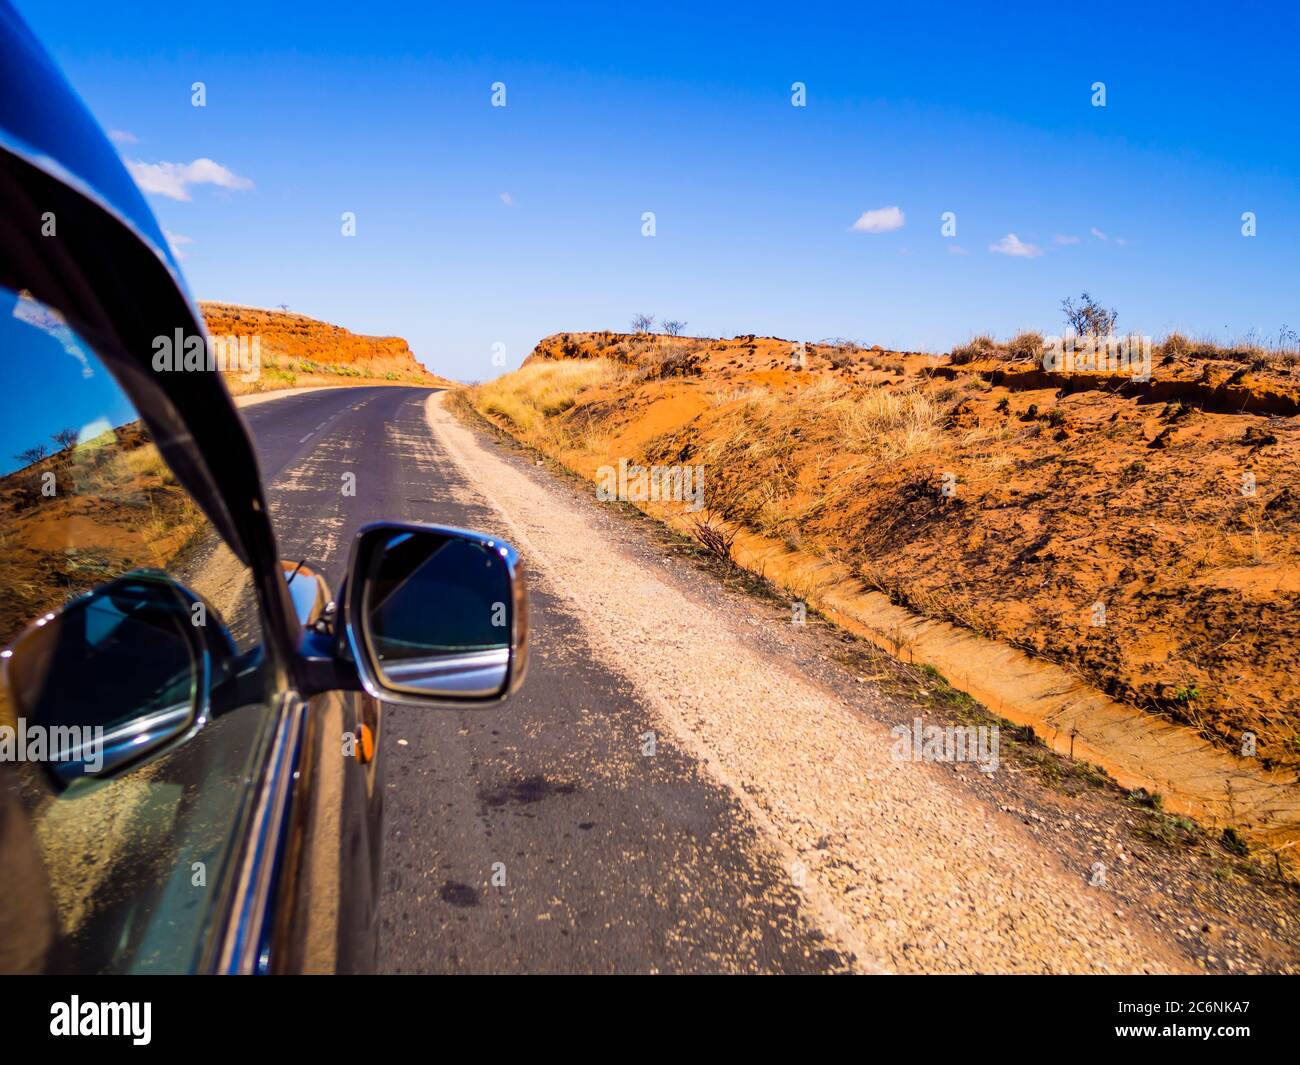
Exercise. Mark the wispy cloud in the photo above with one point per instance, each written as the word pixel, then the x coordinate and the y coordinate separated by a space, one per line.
pixel 173 180
pixel 957 249
pixel 178 242
pixel 507 199
pixel 1062 238
pixel 121 136
pixel 881 220
pixel 1107 238
pixel 1013 245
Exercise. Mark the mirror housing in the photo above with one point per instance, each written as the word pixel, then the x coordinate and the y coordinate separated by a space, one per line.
pixel 435 616
pixel 117 675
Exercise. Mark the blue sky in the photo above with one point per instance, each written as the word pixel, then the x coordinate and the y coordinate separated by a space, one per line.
pixel 384 110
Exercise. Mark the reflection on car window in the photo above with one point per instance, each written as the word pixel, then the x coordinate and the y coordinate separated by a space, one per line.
pixel 125 874
pixel 84 493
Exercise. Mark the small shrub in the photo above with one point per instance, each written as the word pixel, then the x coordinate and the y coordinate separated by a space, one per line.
pixel 1025 347
pixel 32 455
pixel 1151 799
pixel 980 347
pixel 717 539
pixel 674 362
pixel 1088 317
pixel 1175 346
pixel 65 438
pixel 1233 843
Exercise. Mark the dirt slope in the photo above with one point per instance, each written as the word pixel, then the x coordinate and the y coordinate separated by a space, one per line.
pixel 1141 534
pixel 297 351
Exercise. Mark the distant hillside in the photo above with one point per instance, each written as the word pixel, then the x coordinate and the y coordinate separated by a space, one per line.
pixel 297 351
pixel 667 356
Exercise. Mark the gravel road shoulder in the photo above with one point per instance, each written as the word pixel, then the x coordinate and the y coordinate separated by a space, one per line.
pixel 902 868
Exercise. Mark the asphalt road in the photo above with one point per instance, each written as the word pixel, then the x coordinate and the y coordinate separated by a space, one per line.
pixel 611 861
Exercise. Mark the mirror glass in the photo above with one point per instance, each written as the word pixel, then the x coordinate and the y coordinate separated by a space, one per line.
pixel 437 614
pixel 112 676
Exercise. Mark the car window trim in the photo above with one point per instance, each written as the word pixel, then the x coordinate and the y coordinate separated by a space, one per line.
pixel 247 929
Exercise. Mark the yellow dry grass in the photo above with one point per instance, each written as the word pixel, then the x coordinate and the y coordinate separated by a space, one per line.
pixel 531 395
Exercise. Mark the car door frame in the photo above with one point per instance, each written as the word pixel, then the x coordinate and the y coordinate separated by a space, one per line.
pixel 115 281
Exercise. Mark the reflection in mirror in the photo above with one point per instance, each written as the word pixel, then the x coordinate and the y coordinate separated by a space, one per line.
pixel 437 614
pixel 114 675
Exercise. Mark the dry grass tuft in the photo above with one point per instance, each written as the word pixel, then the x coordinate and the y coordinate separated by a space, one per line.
pixel 1025 347
pixel 887 423
pixel 980 347
pixel 532 394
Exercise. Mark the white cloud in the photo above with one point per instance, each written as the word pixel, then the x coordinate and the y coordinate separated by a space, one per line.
pixel 507 199
pixel 174 179
pixel 1098 233
pixel 1013 245
pixel 177 241
pixel 957 249
pixel 47 319
pixel 121 136
pixel 1062 238
pixel 881 220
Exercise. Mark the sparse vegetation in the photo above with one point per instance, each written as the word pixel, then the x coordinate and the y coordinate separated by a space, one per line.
pixel 716 538
pixel 980 347
pixel 32 455
pixel 129 509
pixel 1233 843
pixel 1252 351
pixel 886 423
pixel 1088 318
pixel 1025 347
pixel 540 391
pixel 1169 830
pixel 65 438
pixel 671 362
pixel 845 461
pixel 297 350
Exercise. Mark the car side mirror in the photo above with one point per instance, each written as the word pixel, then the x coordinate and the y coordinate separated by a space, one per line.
pixel 435 616
pixel 116 676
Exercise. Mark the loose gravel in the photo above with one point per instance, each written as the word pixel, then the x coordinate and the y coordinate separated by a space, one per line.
pixel 900 868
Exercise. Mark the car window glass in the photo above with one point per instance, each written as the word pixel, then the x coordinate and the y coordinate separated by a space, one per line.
pixel 126 874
